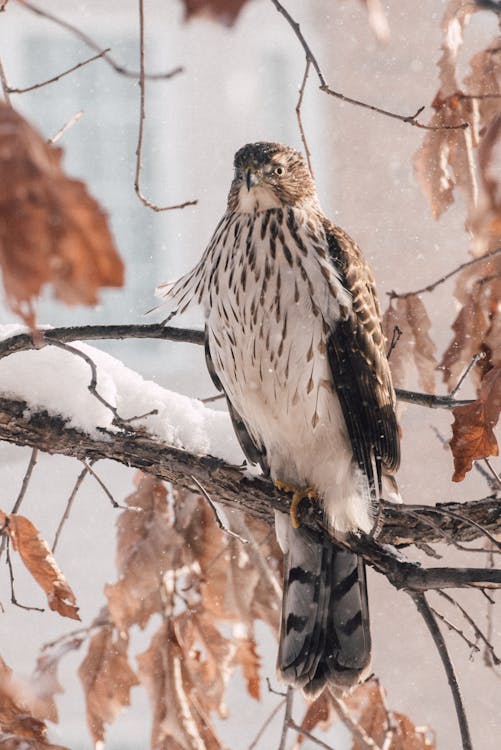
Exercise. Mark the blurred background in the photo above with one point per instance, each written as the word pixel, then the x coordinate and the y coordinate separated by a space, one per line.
pixel 241 84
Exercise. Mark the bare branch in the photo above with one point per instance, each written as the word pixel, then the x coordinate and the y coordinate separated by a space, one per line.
pixel 230 486
pixel 431 287
pixel 69 505
pixel 24 342
pixel 65 127
pixel 5 84
pixel 13 598
pixel 478 633
pixel 59 76
pixel 427 615
pixel 358 732
pixel 122 70
pixel 455 629
pixel 266 724
pixel 139 147
pixel 217 518
pixel 289 699
pixel 22 492
pixel 299 116
pixel 409 119
pixel 316 741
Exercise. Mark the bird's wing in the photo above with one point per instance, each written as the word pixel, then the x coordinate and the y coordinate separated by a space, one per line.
pixel 360 370
pixel 253 453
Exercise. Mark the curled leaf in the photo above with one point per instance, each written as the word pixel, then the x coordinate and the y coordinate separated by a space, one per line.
pixel 51 229
pixel 107 679
pixel 473 435
pixel 224 11
pixel 39 560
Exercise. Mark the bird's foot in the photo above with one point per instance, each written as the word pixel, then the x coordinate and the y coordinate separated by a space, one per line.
pixel 297 496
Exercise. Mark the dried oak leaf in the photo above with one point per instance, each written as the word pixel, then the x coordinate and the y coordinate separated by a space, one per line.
pixel 320 713
pixel 179 719
pixel 107 679
pixel 393 730
pixel 409 316
pixel 51 229
pixel 148 548
pixel 21 717
pixel 39 560
pixel 247 657
pixel 473 428
pixel 478 291
pixel 224 11
pixel 444 158
pixel 208 658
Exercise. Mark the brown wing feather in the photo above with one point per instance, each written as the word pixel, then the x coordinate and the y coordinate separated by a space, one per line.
pixel 360 369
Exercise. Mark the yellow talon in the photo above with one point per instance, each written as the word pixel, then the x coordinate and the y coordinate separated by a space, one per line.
pixel 297 496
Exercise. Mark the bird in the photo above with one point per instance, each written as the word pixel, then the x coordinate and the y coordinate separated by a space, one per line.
pixel 294 340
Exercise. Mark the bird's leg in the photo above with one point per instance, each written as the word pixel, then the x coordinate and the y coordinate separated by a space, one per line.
pixel 297 496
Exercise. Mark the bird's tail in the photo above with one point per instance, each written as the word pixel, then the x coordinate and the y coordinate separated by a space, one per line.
pixel 324 634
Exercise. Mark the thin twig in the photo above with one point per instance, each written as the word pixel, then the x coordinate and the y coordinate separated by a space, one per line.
pixel 494 473
pixel 272 689
pixel 139 147
pixel 364 740
pixel 92 387
pixel 12 591
pixel 289 699
pixel 395 338
pixel 466 372
pixel 299 116
pixel 211 399
pixel 59 76
pixel 409 119
pixel 309 735
pixel 26 480
pixel 69 505
pixel 431 287
pixel 65 127
pixel 478 632
pixel 265 725
pixel 454 629
pixel 217 518
pixel 429 400
pixel 22 492
pixel 121 69
pixel 106 490
pixel 5 84
pixel 429 618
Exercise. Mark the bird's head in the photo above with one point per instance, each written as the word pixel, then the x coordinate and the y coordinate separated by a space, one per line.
pixel 270 175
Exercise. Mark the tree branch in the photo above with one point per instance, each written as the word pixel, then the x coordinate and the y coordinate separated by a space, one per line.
pixel 229 485
pixel 24 342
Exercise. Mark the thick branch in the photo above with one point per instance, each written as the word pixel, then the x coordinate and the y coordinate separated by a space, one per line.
pixel 257 495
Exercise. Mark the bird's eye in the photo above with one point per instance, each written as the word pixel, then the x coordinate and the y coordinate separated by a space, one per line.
pixel 279 171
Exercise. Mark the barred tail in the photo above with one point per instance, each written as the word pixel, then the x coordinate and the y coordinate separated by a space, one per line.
pixel 324 634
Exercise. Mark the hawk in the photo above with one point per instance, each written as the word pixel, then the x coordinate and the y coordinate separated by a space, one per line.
pixel 294 340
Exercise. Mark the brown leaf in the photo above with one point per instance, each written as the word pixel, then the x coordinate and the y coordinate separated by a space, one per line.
pixel 147 549
pixel 40 562
pixel 208 658
pixel 409 316
pixel 16 714
pixel 248 658
pixel 224 11
pixel 472 431
pixel 107 679
pixel 23 743
pixel 320 713
pixel 387 728
pixel 51 229
pixel 179 720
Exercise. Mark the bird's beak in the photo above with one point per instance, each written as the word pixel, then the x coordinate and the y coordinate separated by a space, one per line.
pixel 251 178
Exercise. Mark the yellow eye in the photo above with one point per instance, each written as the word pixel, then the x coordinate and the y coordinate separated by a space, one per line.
pixel 279 171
